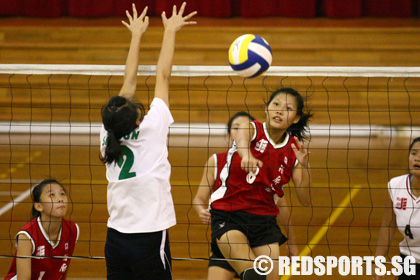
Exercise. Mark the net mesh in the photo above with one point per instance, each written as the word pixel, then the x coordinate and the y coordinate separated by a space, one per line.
pixel 364 120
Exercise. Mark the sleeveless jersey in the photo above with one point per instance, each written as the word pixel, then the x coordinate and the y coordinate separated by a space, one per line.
pixel 139 193
pixel 220 162
pixel 241 191
pixel 47 268
pixel 407 211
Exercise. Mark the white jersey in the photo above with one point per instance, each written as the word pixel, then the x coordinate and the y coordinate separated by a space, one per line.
pixel 407 211
pixel 139 193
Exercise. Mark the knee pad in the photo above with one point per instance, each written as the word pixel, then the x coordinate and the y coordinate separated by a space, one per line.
pixel 251 274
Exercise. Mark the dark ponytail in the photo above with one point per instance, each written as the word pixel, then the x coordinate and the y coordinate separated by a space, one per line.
pixel 36 195
pixel 119 117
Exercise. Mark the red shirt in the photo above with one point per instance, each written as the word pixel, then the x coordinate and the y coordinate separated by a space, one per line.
pixel 220 162
pixel 236 193
pixel 48 268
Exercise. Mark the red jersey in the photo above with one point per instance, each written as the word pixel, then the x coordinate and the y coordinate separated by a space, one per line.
pixel 48 268
pixel 220 162
pixel 240 191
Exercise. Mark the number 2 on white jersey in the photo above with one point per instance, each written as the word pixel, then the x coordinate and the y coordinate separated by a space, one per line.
pixel 125 163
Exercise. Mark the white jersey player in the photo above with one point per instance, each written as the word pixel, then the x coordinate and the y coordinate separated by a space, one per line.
pixel 402 211
pixel 133 148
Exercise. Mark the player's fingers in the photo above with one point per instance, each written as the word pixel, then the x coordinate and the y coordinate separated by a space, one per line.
pixel 245 166
pixel 187 17
pixel 134 11
pixel 190 15
pixel 298 142
pixel 130 19
pixel 174 10
pixel 164 18
pixel 143 14
pixel 181 10
pixel 126 24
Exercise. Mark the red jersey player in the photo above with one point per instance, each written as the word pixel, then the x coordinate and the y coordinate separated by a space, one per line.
pixel 46 235
pixel 265 157
pixel 210 182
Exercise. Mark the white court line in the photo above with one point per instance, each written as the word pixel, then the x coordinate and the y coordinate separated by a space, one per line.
pixel 20 198
pixel 19 181
pixel 6 193
pixel 16 201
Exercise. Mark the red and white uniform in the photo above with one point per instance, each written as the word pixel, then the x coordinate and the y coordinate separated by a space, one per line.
pixel 407 211
pixel 219 164
pixel 240 191
pixel 47 268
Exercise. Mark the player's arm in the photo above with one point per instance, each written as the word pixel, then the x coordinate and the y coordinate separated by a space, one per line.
pixel 386 232
pixel 137 25
pixel 164 65
pixel 301 174
pixel 205 189
pixel 285 220
pixel 243 140
pixel 23 266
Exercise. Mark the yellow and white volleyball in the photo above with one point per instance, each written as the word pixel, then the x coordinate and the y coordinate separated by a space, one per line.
pixel 250 55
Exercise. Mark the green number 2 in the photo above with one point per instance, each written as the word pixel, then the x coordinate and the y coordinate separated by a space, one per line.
pixel 126 164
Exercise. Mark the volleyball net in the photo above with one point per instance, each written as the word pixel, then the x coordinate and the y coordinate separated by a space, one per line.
pixel 364 120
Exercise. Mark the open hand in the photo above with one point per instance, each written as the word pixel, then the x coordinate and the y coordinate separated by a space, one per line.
pixel 177 20
pixel 137 24
pixel 301 154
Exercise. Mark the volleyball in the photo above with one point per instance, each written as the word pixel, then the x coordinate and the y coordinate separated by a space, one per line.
pixel 250 55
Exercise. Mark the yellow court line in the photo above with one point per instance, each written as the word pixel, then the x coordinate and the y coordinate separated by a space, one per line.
pixel 328 222
pixel 20 165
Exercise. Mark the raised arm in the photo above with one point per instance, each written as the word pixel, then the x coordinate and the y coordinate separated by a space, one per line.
pixel 204 191
pixel 301 174
pixel 137 25
pixel 164 65
pixel 243 140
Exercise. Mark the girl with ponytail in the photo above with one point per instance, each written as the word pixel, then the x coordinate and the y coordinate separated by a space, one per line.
pixel 133 149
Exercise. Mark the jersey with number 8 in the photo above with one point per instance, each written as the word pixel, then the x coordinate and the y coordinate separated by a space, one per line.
pixel 142 172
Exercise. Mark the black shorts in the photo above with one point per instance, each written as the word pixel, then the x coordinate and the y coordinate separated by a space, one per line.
pixel 138 255
pixel 217 258
pixel 260 230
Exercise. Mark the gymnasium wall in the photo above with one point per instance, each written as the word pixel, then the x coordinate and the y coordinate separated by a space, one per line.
pixel 216 8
